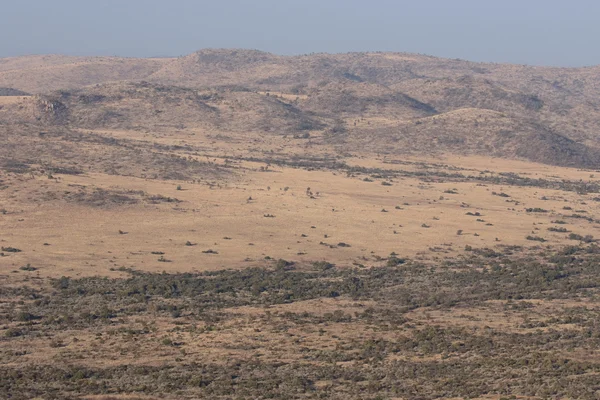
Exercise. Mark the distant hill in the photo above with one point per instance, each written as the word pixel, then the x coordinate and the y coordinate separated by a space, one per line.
pixel 359 99
pixel 566 100
pixel 147 106
pixel 384 102
pixel 471 132
pixel 43 74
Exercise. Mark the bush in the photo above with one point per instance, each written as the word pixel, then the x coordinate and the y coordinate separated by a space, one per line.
pixel 558 229
pixel 11 249
pixel 283 264
pixel 585 239
pixel 536 210
pixel 535 238
pixel 395 261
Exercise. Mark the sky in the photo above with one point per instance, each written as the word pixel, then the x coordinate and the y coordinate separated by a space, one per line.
pixel 534 32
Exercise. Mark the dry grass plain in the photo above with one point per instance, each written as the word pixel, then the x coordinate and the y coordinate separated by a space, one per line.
pixel 308 217
pixel 65 227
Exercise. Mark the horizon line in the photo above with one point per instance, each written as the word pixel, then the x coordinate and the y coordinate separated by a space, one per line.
pixel 364 52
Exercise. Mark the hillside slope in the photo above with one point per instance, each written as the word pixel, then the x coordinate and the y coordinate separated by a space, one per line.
pixel 384 102
pixel 151 107
pixel 566 100
pixel 470 132
pixel 42 74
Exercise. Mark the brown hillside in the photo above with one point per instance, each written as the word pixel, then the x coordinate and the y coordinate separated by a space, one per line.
pixel 562 99
pixel 41 74
pixel 151 107
pixel 359 99
pixel 470 132
pixel 552 115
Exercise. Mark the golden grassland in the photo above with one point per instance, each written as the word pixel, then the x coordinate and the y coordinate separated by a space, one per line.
pixel 256 214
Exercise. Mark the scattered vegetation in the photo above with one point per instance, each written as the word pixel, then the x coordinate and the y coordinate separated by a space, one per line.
pixel 204 306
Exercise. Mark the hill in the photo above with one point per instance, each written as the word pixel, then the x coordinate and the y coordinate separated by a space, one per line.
pixel 402 102
pixel 152 107
pixel 469 132
pixel 564 99
pixel 45 73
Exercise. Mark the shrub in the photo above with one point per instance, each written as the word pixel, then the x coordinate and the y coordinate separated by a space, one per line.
pixel 323 265
pixel 11 249
pixel 535 238
pixel 283 264
pixel 558 229
pixel 395 261
pixel 585 239
pixel 13 332
pixel 536 210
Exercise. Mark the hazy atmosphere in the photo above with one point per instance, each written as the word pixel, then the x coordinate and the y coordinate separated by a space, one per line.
pixel 525 32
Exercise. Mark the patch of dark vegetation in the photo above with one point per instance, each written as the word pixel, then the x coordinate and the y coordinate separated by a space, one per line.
pixel 427 173
pixel 15 166
pixel 579 216
pixel 558 229
pixel 401 282
pixel 63 170
pixel 4 91
pixel 99 197
pixel 9 249
pixel 585 239
pixel 536 210
pixel 62 151
pixel 437 361
pixel 536 238
pixel 159 198
pixel 275 380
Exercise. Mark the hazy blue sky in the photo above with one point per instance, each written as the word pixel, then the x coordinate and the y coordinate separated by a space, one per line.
pixel 543 32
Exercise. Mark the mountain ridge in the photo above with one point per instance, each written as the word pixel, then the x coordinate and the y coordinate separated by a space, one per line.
pixel 393 98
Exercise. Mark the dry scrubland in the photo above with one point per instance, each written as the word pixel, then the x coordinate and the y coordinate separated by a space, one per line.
pixel 234 224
